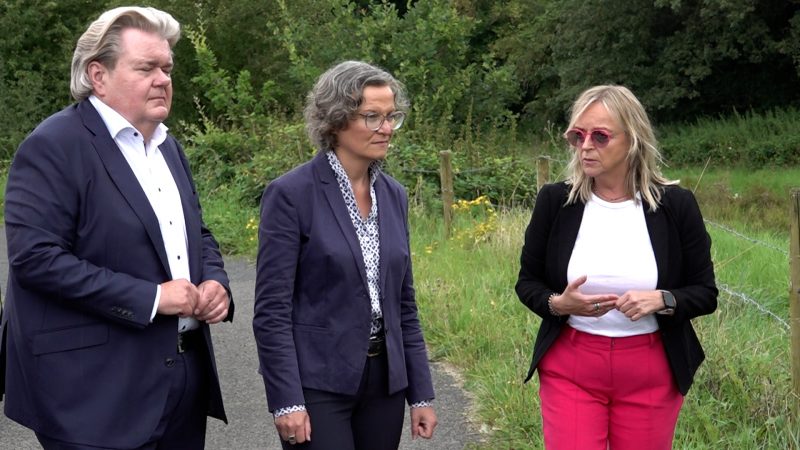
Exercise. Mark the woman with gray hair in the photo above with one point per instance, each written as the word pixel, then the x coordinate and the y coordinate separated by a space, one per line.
pixel 616 262
pixel 339 341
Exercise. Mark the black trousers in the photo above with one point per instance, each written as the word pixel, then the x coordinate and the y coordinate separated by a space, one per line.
pixel 370 420
pixel 183 425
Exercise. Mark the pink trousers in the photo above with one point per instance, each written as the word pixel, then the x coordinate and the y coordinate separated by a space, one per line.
pixel 600 393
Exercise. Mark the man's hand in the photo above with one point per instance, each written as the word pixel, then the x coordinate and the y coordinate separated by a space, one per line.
pixel 178 297
pixel 423 421
pixel 213 304
pixel 296 424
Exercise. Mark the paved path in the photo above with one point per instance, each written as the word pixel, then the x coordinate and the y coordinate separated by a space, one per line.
pixel 250 425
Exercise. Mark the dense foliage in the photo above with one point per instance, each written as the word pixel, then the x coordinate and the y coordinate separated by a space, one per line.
pixel 35 53
pixel 682 58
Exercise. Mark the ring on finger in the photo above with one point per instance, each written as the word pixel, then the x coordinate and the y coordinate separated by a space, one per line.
pixel 597 307
pixel 291 440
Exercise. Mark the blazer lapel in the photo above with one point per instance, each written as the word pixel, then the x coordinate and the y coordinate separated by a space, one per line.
pixel 567 227
pixel 658 230
pixel 122 176
pixel 330 186
pixel 386 223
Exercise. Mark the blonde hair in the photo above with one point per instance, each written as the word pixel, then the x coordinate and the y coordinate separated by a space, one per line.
pixel 101 41
pixel 644 158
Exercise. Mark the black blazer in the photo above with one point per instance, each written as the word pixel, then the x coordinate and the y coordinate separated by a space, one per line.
pixel 682 249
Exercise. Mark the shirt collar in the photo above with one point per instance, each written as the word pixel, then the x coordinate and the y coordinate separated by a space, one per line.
pixel 116 124
pixel 374 168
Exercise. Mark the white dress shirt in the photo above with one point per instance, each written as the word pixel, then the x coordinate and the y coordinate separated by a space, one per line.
pixel 151 170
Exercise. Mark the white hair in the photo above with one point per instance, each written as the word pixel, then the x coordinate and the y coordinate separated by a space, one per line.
pixel 101 41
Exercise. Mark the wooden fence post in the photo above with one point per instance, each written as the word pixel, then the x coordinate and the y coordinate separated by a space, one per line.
pixel 542 172
pixel 794 296
pixel 446 179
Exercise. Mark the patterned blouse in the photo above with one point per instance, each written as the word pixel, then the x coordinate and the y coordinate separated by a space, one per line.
pixel 367 231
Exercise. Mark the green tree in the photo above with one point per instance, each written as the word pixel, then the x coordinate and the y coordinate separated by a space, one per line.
pixel 428 48
pixel 682 58
pixel 35 56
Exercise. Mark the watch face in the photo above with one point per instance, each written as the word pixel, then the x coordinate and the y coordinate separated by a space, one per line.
pixel 669 299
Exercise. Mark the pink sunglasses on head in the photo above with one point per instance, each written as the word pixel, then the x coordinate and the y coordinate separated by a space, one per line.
pixel 576 137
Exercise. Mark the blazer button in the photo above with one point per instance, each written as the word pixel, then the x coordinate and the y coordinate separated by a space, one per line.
pixel 169 362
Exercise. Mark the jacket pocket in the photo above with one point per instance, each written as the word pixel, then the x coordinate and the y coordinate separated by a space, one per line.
pixel 307 327
pixel 74 338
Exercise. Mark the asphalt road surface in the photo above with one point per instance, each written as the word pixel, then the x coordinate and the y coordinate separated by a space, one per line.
pixel 250 424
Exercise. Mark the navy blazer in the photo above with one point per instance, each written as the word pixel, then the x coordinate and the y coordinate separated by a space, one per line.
pixel 682 249
pixel 85 365
pixel 312 305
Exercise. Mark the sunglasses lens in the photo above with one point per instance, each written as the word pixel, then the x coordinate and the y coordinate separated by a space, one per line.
pixel 574 138
pixel 600 139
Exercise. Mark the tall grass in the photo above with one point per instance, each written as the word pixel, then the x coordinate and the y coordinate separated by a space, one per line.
pixel 473 320
pixel 749 139
pixel 756 198
pixel 234 225
pixel 741 397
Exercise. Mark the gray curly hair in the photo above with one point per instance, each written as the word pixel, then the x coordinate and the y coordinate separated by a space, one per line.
pixel 101 41
pixel 338 93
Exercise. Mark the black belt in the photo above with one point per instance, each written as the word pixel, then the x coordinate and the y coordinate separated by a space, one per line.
pixel 189 340
pixel 377 344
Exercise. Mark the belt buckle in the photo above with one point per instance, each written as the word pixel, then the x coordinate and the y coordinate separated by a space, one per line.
pixel 181 344
pixel 378 349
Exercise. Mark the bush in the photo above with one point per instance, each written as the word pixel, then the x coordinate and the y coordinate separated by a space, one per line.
pixel 243 140
pixel 35 53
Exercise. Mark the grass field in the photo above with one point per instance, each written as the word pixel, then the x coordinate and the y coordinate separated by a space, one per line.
pixel 741 398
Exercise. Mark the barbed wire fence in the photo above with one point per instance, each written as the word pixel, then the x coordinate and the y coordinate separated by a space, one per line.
pixel 742 297
pixel 746 238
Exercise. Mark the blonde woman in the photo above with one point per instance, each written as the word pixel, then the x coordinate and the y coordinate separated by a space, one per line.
pixel 617 262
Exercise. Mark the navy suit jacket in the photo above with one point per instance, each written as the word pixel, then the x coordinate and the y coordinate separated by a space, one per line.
pixel 312 310
pixel 682 249
pixel 84 363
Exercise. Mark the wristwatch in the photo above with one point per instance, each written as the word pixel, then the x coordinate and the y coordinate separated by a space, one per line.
pixel 669 303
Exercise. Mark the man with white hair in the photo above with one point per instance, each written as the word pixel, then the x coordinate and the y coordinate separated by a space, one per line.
pixel 113 276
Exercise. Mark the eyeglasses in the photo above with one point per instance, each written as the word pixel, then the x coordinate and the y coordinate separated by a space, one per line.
pixel 374 121
pixel 576 137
